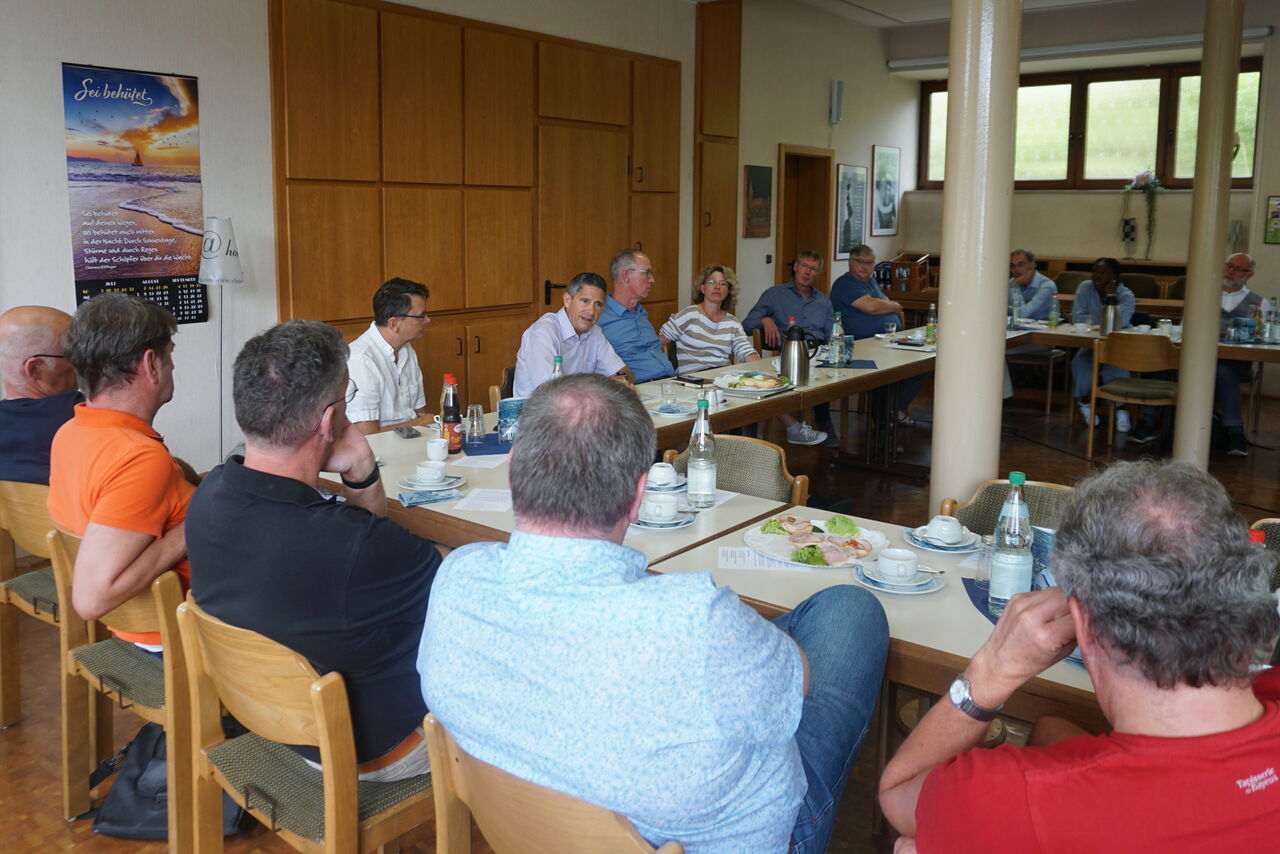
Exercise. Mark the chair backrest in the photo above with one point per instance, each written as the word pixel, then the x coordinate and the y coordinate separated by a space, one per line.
pixel 504 389
pixel 752 467
pixel 1177 288
pixel 1134 351
pixel 136 615
pixel 1143 285
pixel 1068 280
pixel 981 512
pixel 516 816
pixel 1271 530
pixel 24 515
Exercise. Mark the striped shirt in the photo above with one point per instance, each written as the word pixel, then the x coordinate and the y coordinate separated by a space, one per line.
pixel 702 343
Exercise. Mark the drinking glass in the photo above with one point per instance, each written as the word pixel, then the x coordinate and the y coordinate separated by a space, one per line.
pixel 890 327
pixel 474 424
pixel 669 391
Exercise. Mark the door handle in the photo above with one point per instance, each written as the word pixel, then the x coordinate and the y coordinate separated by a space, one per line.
pixel 706 219
pixel 477 337
pixel 459 353
pixel 640 245
pixel 639 174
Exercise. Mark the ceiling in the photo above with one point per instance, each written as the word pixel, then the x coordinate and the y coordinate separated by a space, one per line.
pixel 896 13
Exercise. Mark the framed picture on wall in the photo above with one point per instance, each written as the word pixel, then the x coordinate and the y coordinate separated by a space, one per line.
pixel 885 169
pixel 1271 231
pixel 757 201
pixel 851 208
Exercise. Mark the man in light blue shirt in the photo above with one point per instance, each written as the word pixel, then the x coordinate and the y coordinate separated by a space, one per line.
pixel 625 322
pixel 570 333
pixel 1036 288
pixel 556 657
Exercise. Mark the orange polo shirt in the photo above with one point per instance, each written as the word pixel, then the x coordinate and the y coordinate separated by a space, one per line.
pixel 113 468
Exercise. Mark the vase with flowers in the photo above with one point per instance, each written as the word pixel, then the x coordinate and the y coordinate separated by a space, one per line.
pixel 1149 185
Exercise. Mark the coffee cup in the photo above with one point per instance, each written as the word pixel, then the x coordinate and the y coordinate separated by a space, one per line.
pixel 1143 327
pixel 659 507
pixel 1175 331
pixel 437 449
pixel 1082 328
pixel 897 564
pixel 944 529
pixel 662 474
pixel 430 471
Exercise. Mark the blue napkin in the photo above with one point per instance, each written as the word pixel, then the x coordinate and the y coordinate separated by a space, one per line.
pixel 863 364
pixel 413 499
pixel 490 446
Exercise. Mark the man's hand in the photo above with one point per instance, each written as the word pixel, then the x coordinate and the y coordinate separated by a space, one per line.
pixel 772 337
pixel 350 454
pixel 1034 632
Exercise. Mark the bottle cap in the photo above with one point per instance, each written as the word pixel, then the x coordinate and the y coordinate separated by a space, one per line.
pixel 1257 536
pixel 1017 478
pixel 558 359
pixel 450 378
pixel 703 404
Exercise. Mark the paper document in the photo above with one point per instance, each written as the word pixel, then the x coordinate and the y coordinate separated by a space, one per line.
pixel 490 461
pixel 741 557
pixel 488 500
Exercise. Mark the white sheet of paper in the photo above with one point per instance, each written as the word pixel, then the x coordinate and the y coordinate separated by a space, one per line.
pixel 741 557
pixel 488 500
pixel 489 461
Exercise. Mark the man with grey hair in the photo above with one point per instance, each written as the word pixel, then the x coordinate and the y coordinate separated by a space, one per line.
pixel 329 577
pixel 1169 604
pixel 570 333
pixel 625 322
pixel 559 659
pixel 1036 291
pixel 1238 303
pixel 39 389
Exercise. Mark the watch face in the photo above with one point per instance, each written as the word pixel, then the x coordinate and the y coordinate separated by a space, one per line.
pixel 957 691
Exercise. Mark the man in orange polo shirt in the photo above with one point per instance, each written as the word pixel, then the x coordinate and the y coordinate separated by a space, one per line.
pixel 111 479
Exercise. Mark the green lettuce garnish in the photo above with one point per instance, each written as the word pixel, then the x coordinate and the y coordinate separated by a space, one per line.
pixel 809 554
pixel 838 524
pixel 773 526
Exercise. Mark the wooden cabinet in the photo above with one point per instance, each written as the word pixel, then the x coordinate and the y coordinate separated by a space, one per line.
pixel 330 70
pixel 335 253
pixel 719 57
pixel 475 351
pixel 499 108
pixel 582 200
pixel 655 127
pixel 499 247
pixel 442 350
pixel 717 223
pixel 655 230
pixel 423 241
pixel 582 84
pixel 660 310
pixel 421 100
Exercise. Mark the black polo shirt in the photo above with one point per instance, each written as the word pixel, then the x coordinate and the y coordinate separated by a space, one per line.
pixel 337 584
pixel 27 425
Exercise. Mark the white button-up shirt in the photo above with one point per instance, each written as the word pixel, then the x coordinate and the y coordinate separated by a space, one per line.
pixel 553 335
pixel 388 382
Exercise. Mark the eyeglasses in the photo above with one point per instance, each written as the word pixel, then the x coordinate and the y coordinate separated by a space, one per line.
pixel 350 396
pixel 644 274
pixel 422 316
pixel 862 260
pixel 714 282
pixel 1239 269
pixel 811 268
pixel 46 356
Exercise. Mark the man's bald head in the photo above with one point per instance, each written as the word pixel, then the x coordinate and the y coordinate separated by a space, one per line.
pixel 31 350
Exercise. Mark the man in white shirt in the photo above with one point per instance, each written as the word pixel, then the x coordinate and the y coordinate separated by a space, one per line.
pixel 570 333
pixel 382 363
pixel 1238 303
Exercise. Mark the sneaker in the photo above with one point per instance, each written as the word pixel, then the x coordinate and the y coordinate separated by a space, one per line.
pixel 802 434
pixel 1237 444
pixel 1084 410
pixel 1122 421
pixel 832 440
pixel 1142 434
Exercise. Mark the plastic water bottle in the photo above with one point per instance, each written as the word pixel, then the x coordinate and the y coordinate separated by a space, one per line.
pixel 1015 307
pixel 557 367
pixel 702 461
pixel 1011 562
pixel 1273 324
pixel 931 325
pixel 1055 311
pixel 835 344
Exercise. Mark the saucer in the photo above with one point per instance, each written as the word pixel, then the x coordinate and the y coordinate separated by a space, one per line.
pixel 935 582
pixel 412 484
pixel 914 537
pixel 681 520
pixel 681 482
pixel 674 410
pixel 873 572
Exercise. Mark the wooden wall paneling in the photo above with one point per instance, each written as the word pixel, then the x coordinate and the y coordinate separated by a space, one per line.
pixel 655 230
pixel 335 260
pixel 499 246
pixel 655 127
pixel 719 58
pixel 582 200
pixel 491 347
pixel 718 190
pixel 442 350
pixel 331 90
pixel 499 108
pixel 421 100
pixel 581 84
pixel 423 241
pixel 660 310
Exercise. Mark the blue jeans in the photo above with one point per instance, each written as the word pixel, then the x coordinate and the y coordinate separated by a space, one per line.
pixel 1082 373
pixel 1226 390
pixel 844 635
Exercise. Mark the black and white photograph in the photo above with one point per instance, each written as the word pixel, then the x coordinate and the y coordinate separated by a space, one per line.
pixel 851 207
pixel 885 160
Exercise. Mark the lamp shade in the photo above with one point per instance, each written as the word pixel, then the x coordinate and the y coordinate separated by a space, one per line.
pixel 219 257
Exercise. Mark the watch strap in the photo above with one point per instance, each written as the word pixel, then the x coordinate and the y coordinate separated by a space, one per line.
pixel 366 483
pixel 969 707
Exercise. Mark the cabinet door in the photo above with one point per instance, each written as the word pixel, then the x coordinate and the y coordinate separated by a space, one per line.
pixel 421 100
pixel 491 347
pixel 718 219
pixel 582 200
pixel 655 230
pixel 719 58
pixel 334 256
pixel 499 238
pixel 423 227
pixel 655 127
pixel 586 85
pixel 499 108
pixel 330 90
pixel 442 350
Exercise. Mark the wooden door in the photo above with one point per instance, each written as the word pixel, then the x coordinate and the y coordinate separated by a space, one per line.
pixel 655 230
pixel 441 350
pixel 655 127
pixel 491 347
pixel 718 220
pixel 719 58
pixel 421 100
pixel 806 201
pixel 335 254
pixel 499 246
pixel 330 90
pixel 582 84
pixel 423 241
pixel 499 108
pixel 582 200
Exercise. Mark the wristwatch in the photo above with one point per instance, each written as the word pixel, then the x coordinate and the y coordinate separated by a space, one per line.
pixel 964 701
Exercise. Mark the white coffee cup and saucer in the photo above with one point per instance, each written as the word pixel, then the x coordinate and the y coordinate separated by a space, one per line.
pixel 663 477
pixel 942 534
pixel 898 568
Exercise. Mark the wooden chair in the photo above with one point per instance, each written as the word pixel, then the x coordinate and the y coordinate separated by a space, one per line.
pixel 981 512
pixel 1271 529
pixel 505 389
pixel 750 466
pixel 25 524
pixel 1138 353
pixel 280 698
pixel 516 816
pixel 1068 280
pixel 153 688
pixel 1143 285
pixel 1253 408
pixel 1177 288
pixel 1048 357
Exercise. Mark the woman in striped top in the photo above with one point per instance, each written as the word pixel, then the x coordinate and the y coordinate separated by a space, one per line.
pixel 705 333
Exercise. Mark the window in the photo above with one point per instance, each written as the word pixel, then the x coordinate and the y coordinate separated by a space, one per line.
pixel 1097 129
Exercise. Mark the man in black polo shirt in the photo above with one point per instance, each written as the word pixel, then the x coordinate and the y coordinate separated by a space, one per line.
pixel 328 576
pixel 39 389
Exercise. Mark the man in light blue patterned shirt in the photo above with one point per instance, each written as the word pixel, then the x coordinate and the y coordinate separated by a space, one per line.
pixel 559 659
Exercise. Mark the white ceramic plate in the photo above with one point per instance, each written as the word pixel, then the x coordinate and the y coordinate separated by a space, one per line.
pixel 674 410
pixel 873 572
pixel 780 547
pixel 915 539
pixel 726 381
pixel 682 520
pixel 412 484
pixel 935 583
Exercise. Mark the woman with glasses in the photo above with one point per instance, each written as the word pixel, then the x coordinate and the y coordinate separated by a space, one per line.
pixel 706 334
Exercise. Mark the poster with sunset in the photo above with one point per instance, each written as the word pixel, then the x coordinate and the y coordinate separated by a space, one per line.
pixel 133 174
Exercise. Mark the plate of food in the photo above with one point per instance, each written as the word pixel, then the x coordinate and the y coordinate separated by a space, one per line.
pixel 752 382
pixel 816 543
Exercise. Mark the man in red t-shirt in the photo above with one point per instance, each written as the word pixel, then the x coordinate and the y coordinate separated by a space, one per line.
pixel 1169 604
pixel 111 479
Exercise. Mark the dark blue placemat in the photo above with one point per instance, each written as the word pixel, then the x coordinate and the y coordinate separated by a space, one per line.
pixel 977 591
pixel 490 446
pixel 863 364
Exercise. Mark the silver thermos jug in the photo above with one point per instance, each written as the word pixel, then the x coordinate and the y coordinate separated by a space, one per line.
pixel 1110 315
pixel 795 355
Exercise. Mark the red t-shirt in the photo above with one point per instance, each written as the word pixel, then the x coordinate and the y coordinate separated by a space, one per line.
pixel 1115 792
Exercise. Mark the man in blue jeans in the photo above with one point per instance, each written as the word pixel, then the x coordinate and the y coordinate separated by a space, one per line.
pixel 559 659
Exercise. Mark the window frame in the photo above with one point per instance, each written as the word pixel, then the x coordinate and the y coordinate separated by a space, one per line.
pixel 1166 124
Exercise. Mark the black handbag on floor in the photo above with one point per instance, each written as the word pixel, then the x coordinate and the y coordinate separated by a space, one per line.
pixel 137 807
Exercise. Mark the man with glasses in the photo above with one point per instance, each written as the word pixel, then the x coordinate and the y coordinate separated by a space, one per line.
pixel 383 364
pixel 39 389
pixel 625 322
pixel 1238 303
pixel 328 576
pixel 1036 290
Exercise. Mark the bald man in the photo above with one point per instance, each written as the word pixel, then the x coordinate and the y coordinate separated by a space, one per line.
pixel 39 389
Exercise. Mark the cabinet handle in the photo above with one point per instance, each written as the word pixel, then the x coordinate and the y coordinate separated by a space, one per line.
pixel 639 174
pixel 459 353
pixel 477 337
pixel 640 245
pixel 706 219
